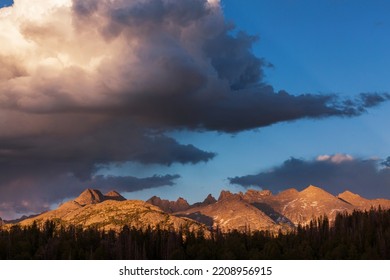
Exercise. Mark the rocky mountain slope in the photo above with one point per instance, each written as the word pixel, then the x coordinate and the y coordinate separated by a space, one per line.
pixel 252 210
pixel 169 206
pixel 301 207
pixel 231 212
pixel 112 211
pixel 260 210
pixel 180 204
pixel 363 203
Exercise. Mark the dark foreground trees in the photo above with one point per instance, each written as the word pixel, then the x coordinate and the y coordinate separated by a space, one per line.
pixel 360 235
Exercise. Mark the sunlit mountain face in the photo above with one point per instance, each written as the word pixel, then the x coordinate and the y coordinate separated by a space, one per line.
pixel 249 211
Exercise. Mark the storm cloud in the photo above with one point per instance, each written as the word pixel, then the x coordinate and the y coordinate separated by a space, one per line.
pixel 335 173
pixel 35 191
pixel 87 83
pixel 164 64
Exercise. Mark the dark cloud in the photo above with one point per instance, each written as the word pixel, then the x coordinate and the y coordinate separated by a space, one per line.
pixel 164 64
pixel 103 144
pixel 386 162
pixel 87 83
pixel 39 188
pixel 128 183
pixel 373 99
pixel 38 170
pixel 335 173
pixel 204 76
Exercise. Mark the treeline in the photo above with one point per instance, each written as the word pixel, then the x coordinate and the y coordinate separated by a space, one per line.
pixel 359 235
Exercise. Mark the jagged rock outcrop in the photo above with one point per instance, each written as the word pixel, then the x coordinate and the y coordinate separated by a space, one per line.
pixel 1 222
pixel 230 212
pixel 224 195
pixel 207 201
pixel 169 206
pixel 180 204
pixel 254 195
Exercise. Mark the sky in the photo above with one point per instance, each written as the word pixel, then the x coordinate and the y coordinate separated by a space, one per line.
pixel 186 98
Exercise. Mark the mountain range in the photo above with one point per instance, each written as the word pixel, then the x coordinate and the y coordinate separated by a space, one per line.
pixel 252 210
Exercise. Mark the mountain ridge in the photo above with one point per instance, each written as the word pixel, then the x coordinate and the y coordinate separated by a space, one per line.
pixel 252 210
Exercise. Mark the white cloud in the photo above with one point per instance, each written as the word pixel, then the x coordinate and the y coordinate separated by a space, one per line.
pixel 336 158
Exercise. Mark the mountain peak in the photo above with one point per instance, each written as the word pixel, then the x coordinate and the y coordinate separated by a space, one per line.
pixel 348 194
pixel 260 192
pixel 181 203
pixel 169 206
pixel 287 193
pixel 89 196
pixel 114 195
pixel 353 198
pixel 224 195
pixel 253 196
pixel 180 199
pixel 209 200
pixel 313 190
pixel 155 197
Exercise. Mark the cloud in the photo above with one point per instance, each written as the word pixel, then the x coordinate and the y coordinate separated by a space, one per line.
pixel 162 63
pixel 386 163
pixel 33 193
pixel 45 168
pixel 87 83
pixel 337 158
pixel 335 173
pixel 129 183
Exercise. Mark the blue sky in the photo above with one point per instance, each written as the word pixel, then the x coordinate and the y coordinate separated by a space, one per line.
pixel 323 47
pixel 74 135
pixel 5 3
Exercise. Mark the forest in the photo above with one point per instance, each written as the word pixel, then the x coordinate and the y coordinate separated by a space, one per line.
pixel 359 235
